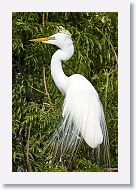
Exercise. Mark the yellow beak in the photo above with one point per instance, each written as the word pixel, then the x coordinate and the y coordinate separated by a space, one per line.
pixel 39 40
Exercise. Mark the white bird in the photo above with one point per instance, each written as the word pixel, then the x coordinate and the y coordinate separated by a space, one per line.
pixel 82 110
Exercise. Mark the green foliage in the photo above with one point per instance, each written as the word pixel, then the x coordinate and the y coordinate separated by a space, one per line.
pixel 37 113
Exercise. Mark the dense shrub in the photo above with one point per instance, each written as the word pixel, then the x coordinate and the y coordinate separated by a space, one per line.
pixel 36 112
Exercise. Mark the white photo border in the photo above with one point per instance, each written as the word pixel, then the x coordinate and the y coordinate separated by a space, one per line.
pixel 123 174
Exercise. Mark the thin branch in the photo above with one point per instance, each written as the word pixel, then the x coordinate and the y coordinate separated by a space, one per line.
pixel 27 146
pixel 70 67
pixel 45 86
pixel 24 152
pixel 43 19
pixel 108 40
pixel 106 91
pixel 112 169
pixel 37 89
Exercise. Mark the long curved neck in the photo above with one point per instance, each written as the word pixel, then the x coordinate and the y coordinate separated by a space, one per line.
pixel 57 73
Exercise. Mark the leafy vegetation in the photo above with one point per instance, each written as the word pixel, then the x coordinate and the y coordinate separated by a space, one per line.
pixel 37 102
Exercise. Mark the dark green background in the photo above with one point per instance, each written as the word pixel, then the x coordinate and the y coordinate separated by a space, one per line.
pixel 95 37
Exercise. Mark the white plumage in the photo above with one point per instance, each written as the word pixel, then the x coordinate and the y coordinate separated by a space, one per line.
pixel 83 116
pixel 83 107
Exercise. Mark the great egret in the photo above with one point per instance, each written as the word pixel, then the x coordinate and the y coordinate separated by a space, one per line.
pixel 83 115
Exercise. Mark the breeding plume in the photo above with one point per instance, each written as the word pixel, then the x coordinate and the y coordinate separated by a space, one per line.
pixel 83 116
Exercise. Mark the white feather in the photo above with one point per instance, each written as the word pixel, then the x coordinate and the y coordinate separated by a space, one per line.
pixel 83 116
pixel 84 109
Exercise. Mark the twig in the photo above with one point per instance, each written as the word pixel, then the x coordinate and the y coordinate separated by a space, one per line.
pixel 45 86
pixel 70 67
pixel 37 90
pixel 27 146
pixel 24 152
pixel 106 91
pixel 112 169
pixel 108 40
pixel 43 19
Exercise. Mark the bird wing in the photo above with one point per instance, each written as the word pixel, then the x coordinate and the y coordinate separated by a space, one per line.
pixel 82 109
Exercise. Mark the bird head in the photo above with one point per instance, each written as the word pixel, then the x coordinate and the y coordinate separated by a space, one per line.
pixel 61 40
